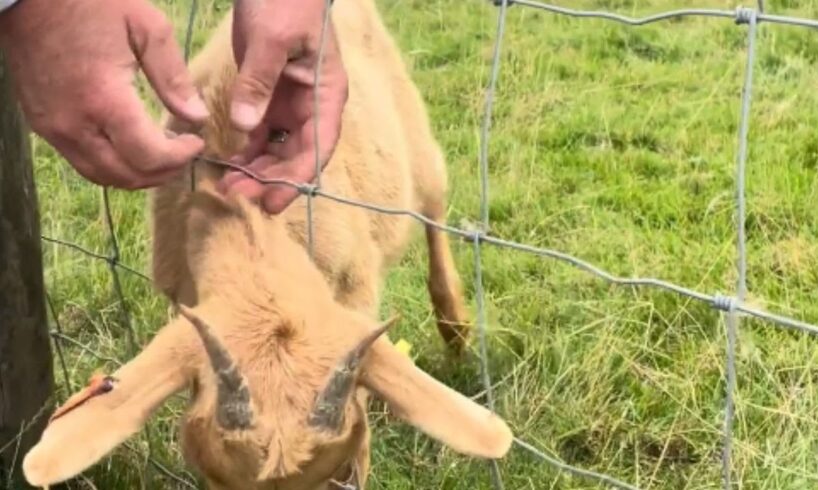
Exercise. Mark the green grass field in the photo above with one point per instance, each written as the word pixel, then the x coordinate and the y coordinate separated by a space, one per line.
pixel 612 143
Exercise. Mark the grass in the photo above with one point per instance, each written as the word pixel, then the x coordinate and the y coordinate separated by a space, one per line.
pixel 612 143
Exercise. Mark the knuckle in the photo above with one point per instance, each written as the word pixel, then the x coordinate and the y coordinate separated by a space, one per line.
pixel 88 172
pixel 148 25
pixel 276 38
pixel 255 85
pixel 161 31
pixel 177 82
pixel 133 184
pixel 162 165
pixel 95 107
pixel 160 161
pixel 57 126
pixel 98 170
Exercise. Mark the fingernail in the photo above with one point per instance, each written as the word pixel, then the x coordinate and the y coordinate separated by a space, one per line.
pixel 197 108
pixel 245 116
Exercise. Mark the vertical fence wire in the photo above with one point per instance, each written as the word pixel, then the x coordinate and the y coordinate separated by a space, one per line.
pixel 322 45
pixel 57 344
pixel 125 315
pixel 113 260
pixel 191 19
pixel 494 466
pixel 747 16
pixel 485 130
pixel 479 294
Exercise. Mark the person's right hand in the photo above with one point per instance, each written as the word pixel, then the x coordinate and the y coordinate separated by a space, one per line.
pixel 73 63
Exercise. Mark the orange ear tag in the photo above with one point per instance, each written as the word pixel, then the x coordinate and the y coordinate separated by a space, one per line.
pixel 99 384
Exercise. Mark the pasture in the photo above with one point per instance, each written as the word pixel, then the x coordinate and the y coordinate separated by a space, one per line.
pixel 615 144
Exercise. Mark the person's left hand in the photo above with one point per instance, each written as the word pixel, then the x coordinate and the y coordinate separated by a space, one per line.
pixel 273 94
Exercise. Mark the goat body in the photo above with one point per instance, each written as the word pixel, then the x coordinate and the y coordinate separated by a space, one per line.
pixel 280 351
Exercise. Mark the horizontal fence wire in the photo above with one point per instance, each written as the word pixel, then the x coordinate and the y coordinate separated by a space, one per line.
pixel 716 301
pixel 731 305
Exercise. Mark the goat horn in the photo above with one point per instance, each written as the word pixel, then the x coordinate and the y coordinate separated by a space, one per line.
pixel 233 410
pixel 328 413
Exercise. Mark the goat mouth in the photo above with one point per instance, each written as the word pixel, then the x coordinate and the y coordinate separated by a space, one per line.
pixel 351 482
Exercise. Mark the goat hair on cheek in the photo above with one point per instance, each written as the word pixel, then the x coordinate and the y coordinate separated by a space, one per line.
pixel 279 351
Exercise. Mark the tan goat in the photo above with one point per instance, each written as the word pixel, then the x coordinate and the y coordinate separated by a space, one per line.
pixel 386 155
pixel 280 354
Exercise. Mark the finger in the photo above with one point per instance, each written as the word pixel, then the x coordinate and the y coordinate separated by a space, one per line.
pixel 274 197
pixel 93 157
pixel 142 144
pixel 329 119
pixel 96 166
pixel 303 168
pixel 277 198
pixel 257 142
pixel 261 67
pixel 130 178
pixel 241 183
pixel 333 94
pixel 260 154
pixel 153 43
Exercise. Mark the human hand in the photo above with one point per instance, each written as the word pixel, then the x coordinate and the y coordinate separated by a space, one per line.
pixel 73 64
pixel 272 93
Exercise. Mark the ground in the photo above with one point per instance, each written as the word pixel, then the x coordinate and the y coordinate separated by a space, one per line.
pixel 615 144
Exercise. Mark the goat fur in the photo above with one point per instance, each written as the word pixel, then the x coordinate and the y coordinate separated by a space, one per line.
pixel 386 155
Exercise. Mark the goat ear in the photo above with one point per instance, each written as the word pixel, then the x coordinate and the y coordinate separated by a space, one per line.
pixel 432 407
pixel 83 435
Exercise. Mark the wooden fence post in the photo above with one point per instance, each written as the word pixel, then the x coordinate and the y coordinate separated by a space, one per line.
pixel 26 376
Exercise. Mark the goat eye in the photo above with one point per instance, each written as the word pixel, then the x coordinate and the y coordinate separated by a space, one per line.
pixel 108 384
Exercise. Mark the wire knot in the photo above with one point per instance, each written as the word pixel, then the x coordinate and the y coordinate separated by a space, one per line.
pixel 308 189
pixel 724 303
pixel 745 15
pixel 477 236
pixel 499 3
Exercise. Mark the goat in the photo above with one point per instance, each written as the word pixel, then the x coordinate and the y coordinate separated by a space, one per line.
pixel 280 352
pixel 386 155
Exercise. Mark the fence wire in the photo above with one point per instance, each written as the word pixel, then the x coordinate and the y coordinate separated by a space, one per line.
pixel 730 305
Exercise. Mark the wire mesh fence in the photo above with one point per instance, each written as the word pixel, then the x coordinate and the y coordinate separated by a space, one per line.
pixel 733 306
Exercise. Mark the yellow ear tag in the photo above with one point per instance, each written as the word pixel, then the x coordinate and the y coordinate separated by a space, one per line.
pixel 403 347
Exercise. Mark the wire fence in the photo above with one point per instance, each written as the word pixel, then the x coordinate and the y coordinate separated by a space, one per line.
pixel 730 305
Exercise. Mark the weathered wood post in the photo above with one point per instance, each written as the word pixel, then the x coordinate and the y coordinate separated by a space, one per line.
pixel 26 377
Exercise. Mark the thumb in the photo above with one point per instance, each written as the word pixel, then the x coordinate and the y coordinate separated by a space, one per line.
pixel 154 45
pixel 260 70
